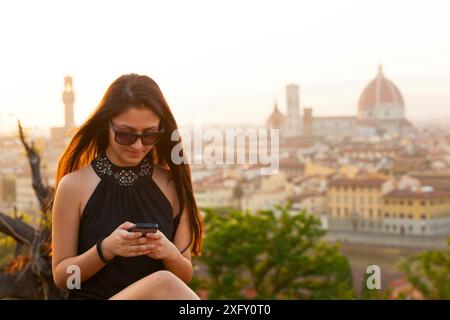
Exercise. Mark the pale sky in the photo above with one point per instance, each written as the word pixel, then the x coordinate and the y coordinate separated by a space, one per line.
pixel 222 61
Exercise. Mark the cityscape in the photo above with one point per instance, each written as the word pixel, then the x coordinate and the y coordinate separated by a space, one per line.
pixel 316 133
pixel 372 179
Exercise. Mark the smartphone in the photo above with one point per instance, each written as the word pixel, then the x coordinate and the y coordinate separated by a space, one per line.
pixel 144 228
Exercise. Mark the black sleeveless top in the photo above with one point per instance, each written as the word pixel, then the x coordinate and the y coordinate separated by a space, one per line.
pixel 123 194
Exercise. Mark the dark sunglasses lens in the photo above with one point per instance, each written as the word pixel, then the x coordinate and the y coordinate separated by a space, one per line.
pixel 125 138
pixel 150 139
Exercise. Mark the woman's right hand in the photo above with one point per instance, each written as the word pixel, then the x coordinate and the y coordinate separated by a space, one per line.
pixel 125 244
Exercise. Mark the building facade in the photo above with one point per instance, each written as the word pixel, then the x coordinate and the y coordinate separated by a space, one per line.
pixel 380 110
pixel 420 211
pixel 380 206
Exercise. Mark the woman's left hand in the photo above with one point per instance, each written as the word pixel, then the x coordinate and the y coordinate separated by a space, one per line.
pixel 161 247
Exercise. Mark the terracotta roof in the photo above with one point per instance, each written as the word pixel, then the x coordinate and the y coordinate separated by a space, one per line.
pixel 345 182
pixel 378 91
pixel 308 195
pixel 276 119
pixel 417 194
pixel 291 163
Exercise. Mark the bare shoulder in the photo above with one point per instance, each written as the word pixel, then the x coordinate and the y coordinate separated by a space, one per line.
pixel 69 182
pixel 76 179
pixel 163 178
pixel 76 187
pixel 87 172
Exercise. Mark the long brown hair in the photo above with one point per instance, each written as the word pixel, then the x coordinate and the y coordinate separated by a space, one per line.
pixel 91 138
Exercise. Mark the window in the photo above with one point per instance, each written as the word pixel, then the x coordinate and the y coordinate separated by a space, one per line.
pixel 386 215
pixel 423 216
pixel 422 203
pixel 410 228
pixel 424 229
pixel 410 216
pixel 401 202
pixel 401 215
pixel 410 202
pixel 386 201
pixel 387 227
pixel 394 227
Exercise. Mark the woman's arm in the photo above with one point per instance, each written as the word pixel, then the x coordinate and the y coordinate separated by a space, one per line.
pixel 180 264
pixel 65 227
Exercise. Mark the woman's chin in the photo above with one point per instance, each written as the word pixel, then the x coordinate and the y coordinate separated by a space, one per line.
pixel 133 157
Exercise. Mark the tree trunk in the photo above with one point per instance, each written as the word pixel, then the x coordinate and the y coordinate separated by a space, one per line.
pixel 34 280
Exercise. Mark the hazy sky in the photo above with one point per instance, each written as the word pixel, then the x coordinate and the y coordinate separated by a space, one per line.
pixel 223 61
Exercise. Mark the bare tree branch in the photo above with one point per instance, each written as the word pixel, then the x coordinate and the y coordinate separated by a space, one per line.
pixel 17 229
pixel 34 279
pixel 43 193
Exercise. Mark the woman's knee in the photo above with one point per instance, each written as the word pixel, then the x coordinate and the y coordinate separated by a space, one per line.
pixel 158 285
pixel 164 278
pixel 173 287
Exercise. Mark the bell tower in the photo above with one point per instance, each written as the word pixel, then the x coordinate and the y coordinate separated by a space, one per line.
pixel 68 99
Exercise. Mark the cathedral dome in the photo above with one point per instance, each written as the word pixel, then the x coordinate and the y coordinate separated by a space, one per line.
pixel 276 120
pixel 381 99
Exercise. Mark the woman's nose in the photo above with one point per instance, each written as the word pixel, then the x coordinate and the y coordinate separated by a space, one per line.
pixel 138 144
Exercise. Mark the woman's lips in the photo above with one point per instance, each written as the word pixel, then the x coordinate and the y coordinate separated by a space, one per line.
pixel 134 153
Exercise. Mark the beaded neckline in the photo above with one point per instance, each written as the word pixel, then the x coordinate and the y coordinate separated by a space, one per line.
pixel 124 176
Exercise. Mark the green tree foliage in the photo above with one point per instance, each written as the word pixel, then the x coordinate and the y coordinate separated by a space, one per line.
pixel 276 254
pixel 7 245
pixel 429 272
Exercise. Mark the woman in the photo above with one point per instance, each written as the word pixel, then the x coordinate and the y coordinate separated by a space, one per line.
pixel 118 171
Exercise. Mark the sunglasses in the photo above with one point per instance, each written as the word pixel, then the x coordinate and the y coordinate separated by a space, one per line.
pixel 129 138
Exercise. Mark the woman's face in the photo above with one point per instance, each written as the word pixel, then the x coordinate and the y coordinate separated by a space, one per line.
pixel 138 120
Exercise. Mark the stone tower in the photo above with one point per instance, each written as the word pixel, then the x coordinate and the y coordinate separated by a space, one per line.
pixel 293 124
pixel 68 99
